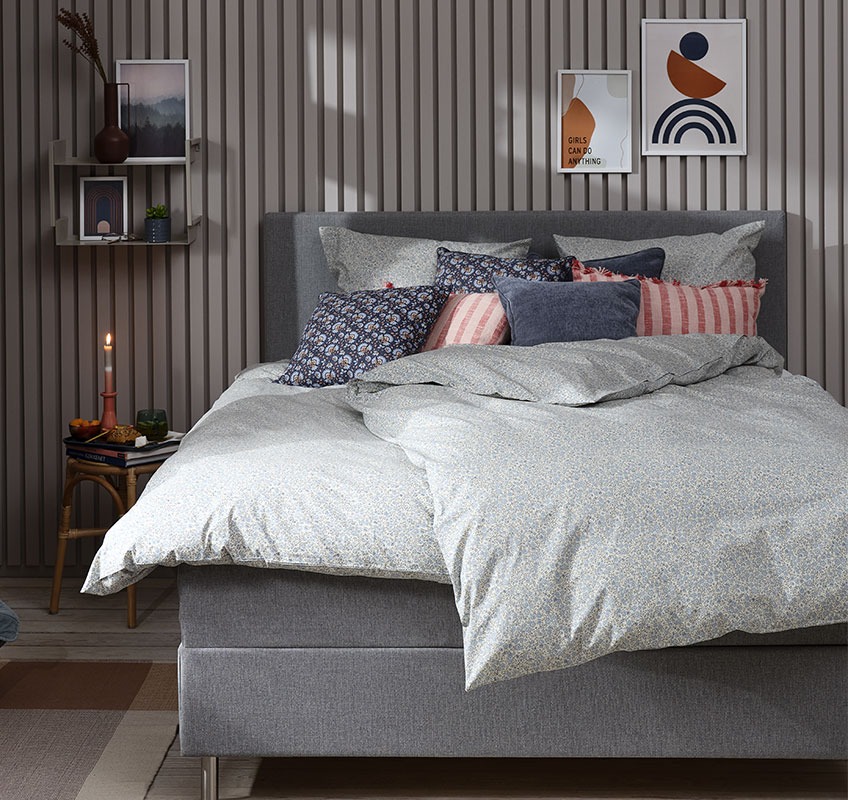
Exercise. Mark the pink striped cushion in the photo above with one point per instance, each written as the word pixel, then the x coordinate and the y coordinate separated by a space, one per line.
pixel 672 307
pixel 469 319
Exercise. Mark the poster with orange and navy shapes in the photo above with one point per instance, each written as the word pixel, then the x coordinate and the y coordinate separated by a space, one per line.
pixel 693 87
pixel 593 121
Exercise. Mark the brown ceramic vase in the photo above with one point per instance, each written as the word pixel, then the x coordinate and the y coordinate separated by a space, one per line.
pixel 111 145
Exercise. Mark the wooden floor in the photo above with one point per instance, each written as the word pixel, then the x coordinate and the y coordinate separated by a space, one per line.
pixel 94 628
pixel 89 628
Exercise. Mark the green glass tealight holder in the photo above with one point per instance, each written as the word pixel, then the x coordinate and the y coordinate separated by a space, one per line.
pixel 152 423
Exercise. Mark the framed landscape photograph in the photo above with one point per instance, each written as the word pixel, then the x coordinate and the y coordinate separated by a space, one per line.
pixel 103 208
pixel 693 87
pixel 154 109
pixel 593 121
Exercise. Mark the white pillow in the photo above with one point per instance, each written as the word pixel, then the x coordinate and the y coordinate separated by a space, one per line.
pixel 360 261
pixel 697 260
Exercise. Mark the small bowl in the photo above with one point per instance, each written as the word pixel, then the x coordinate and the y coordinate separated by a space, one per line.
pixel 86 430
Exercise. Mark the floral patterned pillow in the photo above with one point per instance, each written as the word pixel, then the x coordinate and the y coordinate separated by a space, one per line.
pixel 472 273
pixel 349 334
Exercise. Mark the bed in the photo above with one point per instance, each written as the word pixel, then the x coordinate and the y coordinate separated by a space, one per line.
pixel 288 662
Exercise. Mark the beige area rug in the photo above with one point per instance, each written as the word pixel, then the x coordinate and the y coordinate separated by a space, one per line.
pixel 84 730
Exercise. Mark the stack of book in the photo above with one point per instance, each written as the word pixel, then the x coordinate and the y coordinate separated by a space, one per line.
pixel 123 455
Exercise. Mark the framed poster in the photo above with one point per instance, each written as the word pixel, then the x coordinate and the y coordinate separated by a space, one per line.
pixel 103 208
pixel 693 87
pixel 154 109
pixel 593 121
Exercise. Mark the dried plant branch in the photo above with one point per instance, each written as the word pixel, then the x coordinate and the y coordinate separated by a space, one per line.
pixel 80 24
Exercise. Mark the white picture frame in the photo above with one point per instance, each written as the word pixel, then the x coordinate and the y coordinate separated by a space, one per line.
pixel 103 208
pixel 593 122
pixel 694 87
pixel 154 110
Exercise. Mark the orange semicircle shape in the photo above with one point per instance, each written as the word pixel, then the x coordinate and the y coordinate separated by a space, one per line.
pixel 690 79
pixel 578 125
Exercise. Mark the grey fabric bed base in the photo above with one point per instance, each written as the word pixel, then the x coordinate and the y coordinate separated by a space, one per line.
pixel 235 606
pixel 716 702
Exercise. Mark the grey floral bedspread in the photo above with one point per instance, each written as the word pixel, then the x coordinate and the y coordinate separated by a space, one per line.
pixel 705 494
pixel 582 498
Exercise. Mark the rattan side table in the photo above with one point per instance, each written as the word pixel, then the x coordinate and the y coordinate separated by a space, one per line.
pixel 121 484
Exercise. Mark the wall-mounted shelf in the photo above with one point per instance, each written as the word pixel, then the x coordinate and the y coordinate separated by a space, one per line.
pixel 64 235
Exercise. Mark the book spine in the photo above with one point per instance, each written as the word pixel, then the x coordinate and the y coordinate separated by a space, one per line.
pixel 88 455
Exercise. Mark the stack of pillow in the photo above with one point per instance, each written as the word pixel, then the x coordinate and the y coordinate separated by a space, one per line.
pixel 401 295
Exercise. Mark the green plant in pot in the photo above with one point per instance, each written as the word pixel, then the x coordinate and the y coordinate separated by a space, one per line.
pixel 157 224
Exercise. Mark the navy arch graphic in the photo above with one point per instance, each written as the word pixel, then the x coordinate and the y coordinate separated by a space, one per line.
pixel 691 107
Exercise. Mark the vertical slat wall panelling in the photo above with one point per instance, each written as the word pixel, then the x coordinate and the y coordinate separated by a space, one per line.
pixel 558 59
pixel 352 104
pixel 232 188
pixel 179 288
pixel 329 110
pixel 464 140
pixel 578 60
pixel 12 286
pixel 519 113
pixel 216 131
pixel 158 258
pixel 372 129
pixel 542 78
pixel 596 58
pixel 502 102
pixel 735 165
pixel 409 152
pixel 775 106
pixel 312 134
pixel 197 351
pixel 252 153
pixel 291 90
pixel 793 168
pixel 614 38
pixel 428 122
pixel 30 416
pixel 813 183
pixel 350 65
pixel 673 165
pixel 390 105
pixel 833 196
pixel 48 363
pixel 715 167
pixel 636 181
pixel 445 105
pixel 484 105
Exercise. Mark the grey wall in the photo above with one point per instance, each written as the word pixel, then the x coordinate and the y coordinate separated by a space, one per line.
pixel 356 104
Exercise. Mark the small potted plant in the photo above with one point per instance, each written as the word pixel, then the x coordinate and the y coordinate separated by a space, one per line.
pixel 157 224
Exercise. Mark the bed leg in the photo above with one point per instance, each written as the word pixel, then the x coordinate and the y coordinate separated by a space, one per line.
pixel 209 778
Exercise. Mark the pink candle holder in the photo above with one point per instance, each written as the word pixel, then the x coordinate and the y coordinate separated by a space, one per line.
pixel 108 419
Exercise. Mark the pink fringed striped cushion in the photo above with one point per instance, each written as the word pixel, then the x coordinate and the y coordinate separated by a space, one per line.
pixel 672 307
pixel 469 319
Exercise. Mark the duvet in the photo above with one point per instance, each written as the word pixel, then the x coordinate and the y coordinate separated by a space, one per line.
pixel 581 498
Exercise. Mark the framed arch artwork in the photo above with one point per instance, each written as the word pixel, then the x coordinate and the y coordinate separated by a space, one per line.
pixel 694 99
pixel 103 208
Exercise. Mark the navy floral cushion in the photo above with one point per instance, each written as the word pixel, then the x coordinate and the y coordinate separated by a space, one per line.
pixel 349 334
pixel 472 272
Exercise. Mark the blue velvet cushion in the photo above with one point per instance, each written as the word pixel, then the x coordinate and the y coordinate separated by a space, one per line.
pixel 569 312
pixel 472 273
pixel 648 263
pixel 349 334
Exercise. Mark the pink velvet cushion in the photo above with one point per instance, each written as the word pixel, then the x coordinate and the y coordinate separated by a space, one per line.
pixel 671 307
pixel 469 319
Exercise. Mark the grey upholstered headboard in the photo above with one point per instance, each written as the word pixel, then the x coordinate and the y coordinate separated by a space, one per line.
pixel 295 271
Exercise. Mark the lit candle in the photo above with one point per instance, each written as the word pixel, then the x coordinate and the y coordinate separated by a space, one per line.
pixel 107 356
